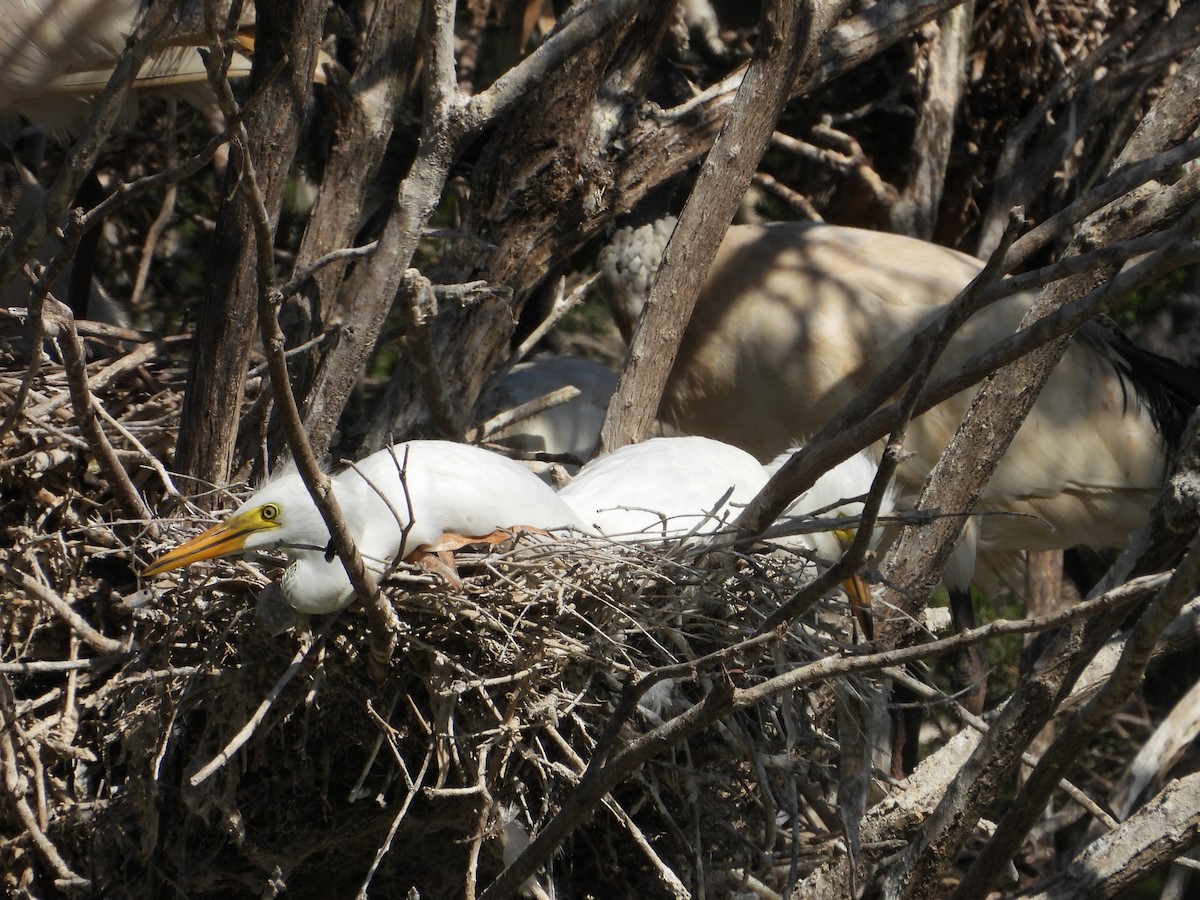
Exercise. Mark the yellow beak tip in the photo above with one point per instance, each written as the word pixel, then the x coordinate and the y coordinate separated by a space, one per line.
pixel 225 539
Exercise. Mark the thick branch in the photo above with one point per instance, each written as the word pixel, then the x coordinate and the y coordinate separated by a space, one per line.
pixel 787 45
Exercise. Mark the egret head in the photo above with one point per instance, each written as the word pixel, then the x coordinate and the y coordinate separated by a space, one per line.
pixel 833 497
pixel 848 480
pixel 281 514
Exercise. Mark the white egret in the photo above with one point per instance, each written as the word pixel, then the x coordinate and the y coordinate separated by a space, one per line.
pixel 672 488
pixel 411 501
pixel 664 488
pixel 836 495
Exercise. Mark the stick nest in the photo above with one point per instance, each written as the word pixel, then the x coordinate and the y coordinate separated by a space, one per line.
pixel 186 735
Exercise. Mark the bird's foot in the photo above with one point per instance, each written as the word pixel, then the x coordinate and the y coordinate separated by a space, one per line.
pixel 437 562
pixel 453 541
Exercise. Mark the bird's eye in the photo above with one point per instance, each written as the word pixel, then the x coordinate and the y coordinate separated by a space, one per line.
pixel 270 512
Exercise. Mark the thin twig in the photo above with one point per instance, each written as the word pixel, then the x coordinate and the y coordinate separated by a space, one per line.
pixel 239 740
pixel 562 306
pixel 61 325
pixel 64 611
pixel 414 788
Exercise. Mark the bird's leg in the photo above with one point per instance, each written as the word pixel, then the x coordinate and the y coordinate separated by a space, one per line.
pixel 438 558
pixel 438 562
pixel 969 669
pixel 860 605
pixel 856 590
pixel 453 541
pixel 968 676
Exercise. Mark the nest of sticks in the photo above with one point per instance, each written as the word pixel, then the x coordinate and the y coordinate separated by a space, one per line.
pixel 197 737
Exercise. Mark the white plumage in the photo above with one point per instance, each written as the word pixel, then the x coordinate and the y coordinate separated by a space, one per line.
pixel 673 488
pixel 46 39
pixel 664 488
pixel 57 55
pixel 833 496
pixel 420 497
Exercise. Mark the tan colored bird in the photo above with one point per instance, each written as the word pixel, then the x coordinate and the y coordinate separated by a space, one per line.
pixel 57 55
pixel 796 318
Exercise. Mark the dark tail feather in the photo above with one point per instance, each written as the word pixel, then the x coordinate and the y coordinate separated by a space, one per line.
pixel 1170 390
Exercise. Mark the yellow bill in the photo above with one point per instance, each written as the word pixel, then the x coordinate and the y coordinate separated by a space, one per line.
pixel 860 605
pixel 858 592
pixel 224 539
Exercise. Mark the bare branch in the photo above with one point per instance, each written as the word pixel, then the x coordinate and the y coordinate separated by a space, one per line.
pixel 787 45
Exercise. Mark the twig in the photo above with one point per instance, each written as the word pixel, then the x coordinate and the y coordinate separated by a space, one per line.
pixel 1085 723
pixel 61 325
pixel 307 642
pixel 155 232
pixel 119 366
pixel 921 689
pixel 522 411
pixel 384 624
pixel 39 666
pixel 63 609
pixel 486 804
pixel 798 202
pixel 300 276
pixel 451 123
pixel 603 774
pixel 786 44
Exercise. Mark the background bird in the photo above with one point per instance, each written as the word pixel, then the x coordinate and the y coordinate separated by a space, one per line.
pixel 410 501
pixel 568 430
pixel 57 55
pixel 795 319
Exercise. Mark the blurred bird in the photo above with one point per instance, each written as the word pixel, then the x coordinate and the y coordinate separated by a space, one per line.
pixel 566 431
pixel 412 501
pixel 795 319
pixel 57 55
